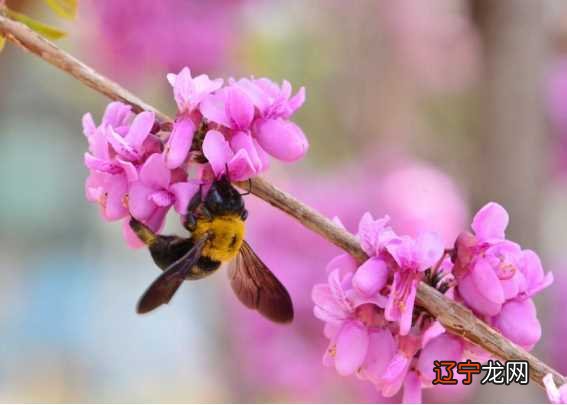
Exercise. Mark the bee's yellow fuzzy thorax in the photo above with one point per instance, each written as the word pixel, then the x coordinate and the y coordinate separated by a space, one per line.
pixel 227 235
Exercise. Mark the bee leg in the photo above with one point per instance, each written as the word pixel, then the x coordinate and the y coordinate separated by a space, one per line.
pixel 244 214
pixel 165 249
pixel 145 234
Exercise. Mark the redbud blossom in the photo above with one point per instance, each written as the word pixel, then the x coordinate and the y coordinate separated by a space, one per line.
pixel 497 278
pixel 133 172
pixel 369 313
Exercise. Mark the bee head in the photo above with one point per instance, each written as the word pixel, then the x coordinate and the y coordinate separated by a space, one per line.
pixel 223 198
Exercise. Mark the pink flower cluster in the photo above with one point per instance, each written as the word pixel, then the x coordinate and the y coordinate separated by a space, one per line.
pixel 138 170
pixel 247 120
pixel 497 279
pixel 374 328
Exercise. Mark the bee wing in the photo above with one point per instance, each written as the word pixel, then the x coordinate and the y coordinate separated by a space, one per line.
pixel 257 287
pixel 164 287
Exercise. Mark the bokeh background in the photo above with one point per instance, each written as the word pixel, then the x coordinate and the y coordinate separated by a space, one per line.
pixel 420 110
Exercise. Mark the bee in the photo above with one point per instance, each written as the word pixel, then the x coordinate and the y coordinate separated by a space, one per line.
pixel 216 227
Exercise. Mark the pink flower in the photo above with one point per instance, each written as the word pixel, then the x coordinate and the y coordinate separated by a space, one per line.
pixel 109 191
pixel 118 115
pixel 116 149
pixel 154 193
pixel 272 129
pixel 179 143
pixel 114 146
pixel 282 139
pixel 271 100
pixel 371 277
pixel 490 269
pixel 518 322
pixel 218 152
pixel 374 234
pixel 230 107
pixel 132 146
pixel 412 258
pixel 189 92
pixel 555 395
pixel 348 318
pixel 442 347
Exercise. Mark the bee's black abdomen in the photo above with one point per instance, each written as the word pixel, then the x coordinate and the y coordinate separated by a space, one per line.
pixel 168 249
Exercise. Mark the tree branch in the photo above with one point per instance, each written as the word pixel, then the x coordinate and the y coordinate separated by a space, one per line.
pixel 32 42
pixel 455 317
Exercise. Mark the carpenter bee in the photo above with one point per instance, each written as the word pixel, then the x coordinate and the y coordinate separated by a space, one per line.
pixel 216 226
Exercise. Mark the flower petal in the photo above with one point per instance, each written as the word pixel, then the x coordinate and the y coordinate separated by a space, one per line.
pixel 129 169
pixel 344 262
pixel 395 374
pixel 120 146
pixel 406 312
pixel 140 129
pixel 551 389
pixel 104 166
pixel 490 222
pixel 533 272
pixel 282 139
pixel 116 189
pixel 179 143
pixel 436 329
pixel 371 276
pixel 139 203
pixel 161 198
pixel 217 151
pixel 213 108
pixel 474 299
pixel 368 234
pixel 98 144
pixel 239 108
pixel 443 347
pixel 327 308
pixel 429 249
pixel 154 173
pixel 487 281
pixel 116 114
pixel 295 102
pixel 352 345
pixel 94 187
pixel 183 192
pixel 89 126
pixel 381 349
pixel 156 221
pixel 412 389
pixel 240 167
pixel 243 140
pixel 182 89
pixel 518 322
